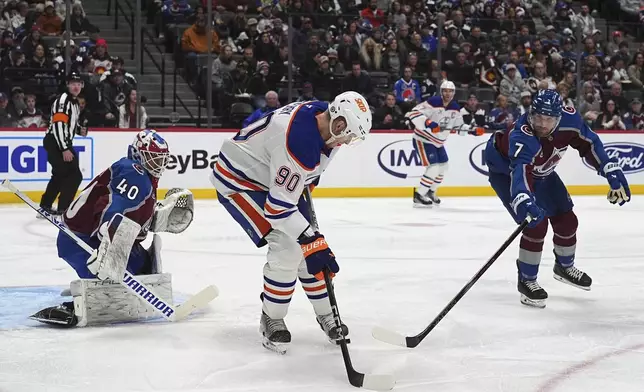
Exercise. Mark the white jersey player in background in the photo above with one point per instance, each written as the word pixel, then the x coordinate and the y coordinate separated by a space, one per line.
pixel 432 122
pixel 260 177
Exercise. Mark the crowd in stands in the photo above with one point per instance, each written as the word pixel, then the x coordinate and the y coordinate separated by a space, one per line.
pixel 498 53
pixel 33 67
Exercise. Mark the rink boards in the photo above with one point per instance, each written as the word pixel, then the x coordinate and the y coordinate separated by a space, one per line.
pixel 385 165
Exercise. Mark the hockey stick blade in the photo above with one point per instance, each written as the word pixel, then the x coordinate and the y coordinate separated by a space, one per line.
pixel 391 337
pixel 196 302
pixel 396 339
pixel 378 382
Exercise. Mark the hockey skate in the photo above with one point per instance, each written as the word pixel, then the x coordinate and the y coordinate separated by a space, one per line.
pixel 532 294
pixel 61 315
pixel 421 201
pixel 431 195
pixel 275 335
pixel 572 276
pixel 333 333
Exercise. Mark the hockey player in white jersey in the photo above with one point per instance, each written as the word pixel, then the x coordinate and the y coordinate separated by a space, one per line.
pixel 260 176
pixel 432 122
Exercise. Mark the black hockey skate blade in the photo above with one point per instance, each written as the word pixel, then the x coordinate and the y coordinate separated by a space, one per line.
pixel 566 281
pixel 70 323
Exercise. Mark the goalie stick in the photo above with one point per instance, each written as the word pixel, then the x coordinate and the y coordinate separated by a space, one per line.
pixel 397 339
pixel 169 312
pixel 377 382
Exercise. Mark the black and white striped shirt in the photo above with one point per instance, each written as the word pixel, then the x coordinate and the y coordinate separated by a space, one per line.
pixel 64 120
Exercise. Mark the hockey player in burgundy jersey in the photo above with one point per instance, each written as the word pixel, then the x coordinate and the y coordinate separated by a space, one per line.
pixel 126 191
pixel 522 165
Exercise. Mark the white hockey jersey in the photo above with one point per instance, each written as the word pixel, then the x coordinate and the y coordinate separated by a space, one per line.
pixel 280 154
pixel 448 118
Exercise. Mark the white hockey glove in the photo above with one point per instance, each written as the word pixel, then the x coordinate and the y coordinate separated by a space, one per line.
pixel 174 213
pixel 109 261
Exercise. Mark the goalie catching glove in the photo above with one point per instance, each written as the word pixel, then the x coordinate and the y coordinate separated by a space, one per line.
pixel 174 213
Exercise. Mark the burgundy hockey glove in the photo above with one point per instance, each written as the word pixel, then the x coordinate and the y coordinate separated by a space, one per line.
pixel 318 256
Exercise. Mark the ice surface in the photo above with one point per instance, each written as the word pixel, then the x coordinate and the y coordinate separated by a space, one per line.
pixel 399 267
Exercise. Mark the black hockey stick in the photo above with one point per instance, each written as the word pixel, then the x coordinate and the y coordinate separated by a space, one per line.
pixel 377 382
pixel 397 339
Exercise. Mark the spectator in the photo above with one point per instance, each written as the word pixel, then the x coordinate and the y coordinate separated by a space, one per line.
pixel 194 40
pixel 389 115
pixel 584 21
pixel 590 107
pixel 31 117
pixel 358 81
pixel 373 15
pixel 79 23
pixel 258 84
pixel 222 67
pixel 115 92
pixel 610 118
pixel 39 59
pixel 49 22
pixel 407 91
pixel 306 93
pixel 393 59
pixel 17 104
pixel 473 115
pixel 6 119
pixel 235 87
pixel 500 117
pixel 617 96
pixel 371 55
pixel 324 81
pixel 634 118
pixel 334 66
pixel 15 59
pixel 460 72
pixel 32 40
pixel 119 64
pixel 18 17
pixel 616 72
pixel 128 113
pixel 524 104
pixel 101 59
pixel 613 46
pixel 636 71
pixel 77 60
pixel 512 85
pixel 540 80
pixel 563 89
pixel 272 103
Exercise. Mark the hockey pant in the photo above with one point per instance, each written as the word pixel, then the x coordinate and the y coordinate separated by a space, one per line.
pixel 139 262
pixel 552 196
pixel 435 160
pixel 285 261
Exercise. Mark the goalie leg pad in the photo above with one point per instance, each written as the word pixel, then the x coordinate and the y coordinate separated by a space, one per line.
pixel 99 302
pixel 110 259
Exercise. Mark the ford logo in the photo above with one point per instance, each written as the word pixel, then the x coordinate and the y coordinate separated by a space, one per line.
pixel 629 156
pixel 477 159
pixel 399 159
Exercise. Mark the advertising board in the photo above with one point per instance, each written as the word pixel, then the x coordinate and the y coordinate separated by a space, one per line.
pixel 385 165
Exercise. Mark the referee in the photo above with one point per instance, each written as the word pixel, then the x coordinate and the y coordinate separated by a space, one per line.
pixel 66 176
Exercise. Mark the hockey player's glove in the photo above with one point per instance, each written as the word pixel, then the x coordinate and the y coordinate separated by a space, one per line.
pixel 620 192
pixel 524 206
pixel 318 256
pixel 432 126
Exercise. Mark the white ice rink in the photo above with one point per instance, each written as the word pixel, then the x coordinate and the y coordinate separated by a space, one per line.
pixel 399 267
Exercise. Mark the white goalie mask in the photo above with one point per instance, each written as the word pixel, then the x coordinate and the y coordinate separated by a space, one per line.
pixel 354 108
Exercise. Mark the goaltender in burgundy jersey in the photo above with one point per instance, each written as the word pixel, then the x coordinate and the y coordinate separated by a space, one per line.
pixel 124 188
